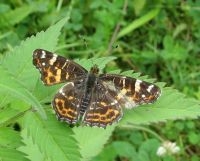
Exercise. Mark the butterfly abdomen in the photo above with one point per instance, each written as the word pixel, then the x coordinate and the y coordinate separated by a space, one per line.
pixel 84 104
pixel 86 99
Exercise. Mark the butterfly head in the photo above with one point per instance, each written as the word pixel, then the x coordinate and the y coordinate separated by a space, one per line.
pixel 94 69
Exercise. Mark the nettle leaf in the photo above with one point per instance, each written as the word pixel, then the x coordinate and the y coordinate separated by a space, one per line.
pixel 101 62
pixel 10 86
pixel 31 149
pixel 91 140
pixel 9 154
pixel 9 137
pixel 12 112
pixel 53 138
pixel 9 141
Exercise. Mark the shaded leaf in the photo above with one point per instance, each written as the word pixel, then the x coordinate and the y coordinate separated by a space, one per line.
pixel 53 138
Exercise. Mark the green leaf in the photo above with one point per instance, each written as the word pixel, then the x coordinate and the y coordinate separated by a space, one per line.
pixel 10 86
pixel 31 149
pixel 9 141
pixel 53 138
pixel 101 62
pixel 9 154
pixel 9 138
pixel 138 22
pixel 13 17
pixel 139 7
pixel 117 149
pixel 91 139
pixel 194 138
pixel 147 151
pixel 126 149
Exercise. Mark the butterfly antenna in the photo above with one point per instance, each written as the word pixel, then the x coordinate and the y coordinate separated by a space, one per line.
pixel 91 55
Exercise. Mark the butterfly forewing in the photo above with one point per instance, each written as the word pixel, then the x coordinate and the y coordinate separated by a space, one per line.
pixel 56 69
pixel 130 92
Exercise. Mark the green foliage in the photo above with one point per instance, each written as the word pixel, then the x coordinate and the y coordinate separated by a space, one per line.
pixel 161 38
pixel 123 149
pixel 91 140
pixel 15 16
pixel 52 138
pixel 9 141
pixel 31 149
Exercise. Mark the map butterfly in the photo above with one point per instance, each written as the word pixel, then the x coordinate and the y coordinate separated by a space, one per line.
pixel 89 97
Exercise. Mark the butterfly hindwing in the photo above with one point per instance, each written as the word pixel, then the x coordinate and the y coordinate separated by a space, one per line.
pixel 66 102
pixel 56 69
pixel 130 92
pixel 103 109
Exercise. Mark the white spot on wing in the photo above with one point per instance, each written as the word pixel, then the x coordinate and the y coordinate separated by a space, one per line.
pixel 130 104
pixel 150 88
pixel 64 64
pixel 61 91
pixel 137 85
pixel 53 59
pixel 110 85
pixel 43 64
pixel 114 103
pixel 43 54
pixel 124 81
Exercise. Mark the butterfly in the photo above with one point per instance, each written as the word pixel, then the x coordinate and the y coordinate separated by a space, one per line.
pixel 89 97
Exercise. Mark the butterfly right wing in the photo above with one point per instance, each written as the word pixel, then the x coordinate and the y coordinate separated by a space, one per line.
pixel 104 109
pixel 130 92
pixel 56 69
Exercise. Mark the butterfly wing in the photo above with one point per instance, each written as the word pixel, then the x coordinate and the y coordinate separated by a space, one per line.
pixel 130 92
pixel 103 109
pixel 66 102
pixel 56 69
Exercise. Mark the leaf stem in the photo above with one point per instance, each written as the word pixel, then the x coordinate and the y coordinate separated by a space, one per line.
pixel 131 126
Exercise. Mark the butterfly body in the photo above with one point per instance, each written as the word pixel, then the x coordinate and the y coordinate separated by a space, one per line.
pixel 88 88
pixel 89 97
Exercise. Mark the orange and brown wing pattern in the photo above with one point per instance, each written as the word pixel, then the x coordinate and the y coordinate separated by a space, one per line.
pixel 130 92
pixel 104 109
pixel 66 103
pixel 56 69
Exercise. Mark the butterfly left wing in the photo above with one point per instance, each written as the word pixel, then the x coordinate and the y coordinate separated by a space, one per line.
pixel 103 110
pixel 56 69
pixel 67 101
pixel 130 92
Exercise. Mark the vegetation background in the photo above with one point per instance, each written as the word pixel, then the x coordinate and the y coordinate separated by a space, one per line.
pixel 154 37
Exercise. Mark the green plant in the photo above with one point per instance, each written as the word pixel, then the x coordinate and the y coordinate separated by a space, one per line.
pixel 56 140
pixel 159 38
